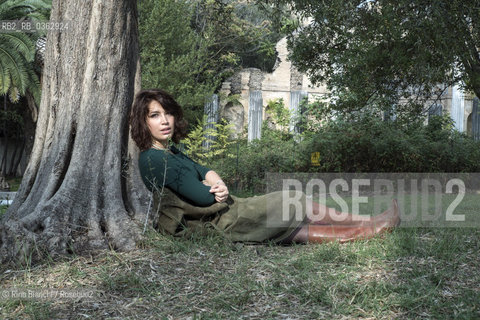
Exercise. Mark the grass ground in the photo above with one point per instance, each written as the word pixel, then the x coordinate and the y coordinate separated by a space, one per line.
pixel 408 274
pixel 3 209
pixel 412 273
pixel 14 183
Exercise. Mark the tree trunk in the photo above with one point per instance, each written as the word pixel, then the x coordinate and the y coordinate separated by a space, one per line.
pixel 3 168
pixel 73 196
pixel 30 116
pixel 138 195
pixel 16 148
pixel 4 160
pixel 16 163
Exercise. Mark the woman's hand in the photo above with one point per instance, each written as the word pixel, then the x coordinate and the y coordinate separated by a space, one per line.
pixel 220 190
pixel 217 186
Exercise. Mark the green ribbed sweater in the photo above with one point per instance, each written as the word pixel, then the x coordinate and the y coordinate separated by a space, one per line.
pixel 183 175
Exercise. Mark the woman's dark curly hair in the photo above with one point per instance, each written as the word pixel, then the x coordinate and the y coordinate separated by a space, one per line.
pixel 138 116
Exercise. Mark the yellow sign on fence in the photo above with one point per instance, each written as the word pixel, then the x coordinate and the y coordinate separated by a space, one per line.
pixel 315 158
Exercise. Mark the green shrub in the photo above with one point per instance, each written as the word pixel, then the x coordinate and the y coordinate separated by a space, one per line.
pixel 3 209
pixel 217 135
pixel 366 144
pixel 370 144
pixel 248 162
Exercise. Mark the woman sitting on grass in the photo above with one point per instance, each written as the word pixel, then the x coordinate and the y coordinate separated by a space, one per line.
pixel 188 195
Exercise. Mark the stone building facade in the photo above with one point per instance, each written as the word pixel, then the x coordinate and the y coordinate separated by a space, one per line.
pixel 256 88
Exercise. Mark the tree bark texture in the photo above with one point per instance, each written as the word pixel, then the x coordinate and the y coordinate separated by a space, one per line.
pixel 138 195
pixel 30 117
pixel 73 197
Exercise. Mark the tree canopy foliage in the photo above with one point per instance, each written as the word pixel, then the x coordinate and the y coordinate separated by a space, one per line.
pixel 189 47
pixel 17 49
pixel 382 52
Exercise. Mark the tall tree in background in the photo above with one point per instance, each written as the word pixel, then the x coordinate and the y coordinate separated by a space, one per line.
pixel 75 195
pixel 380 51
pixel 173 56
pixel 189 47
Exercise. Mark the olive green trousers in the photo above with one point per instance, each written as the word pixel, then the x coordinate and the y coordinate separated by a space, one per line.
pixel 254 219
